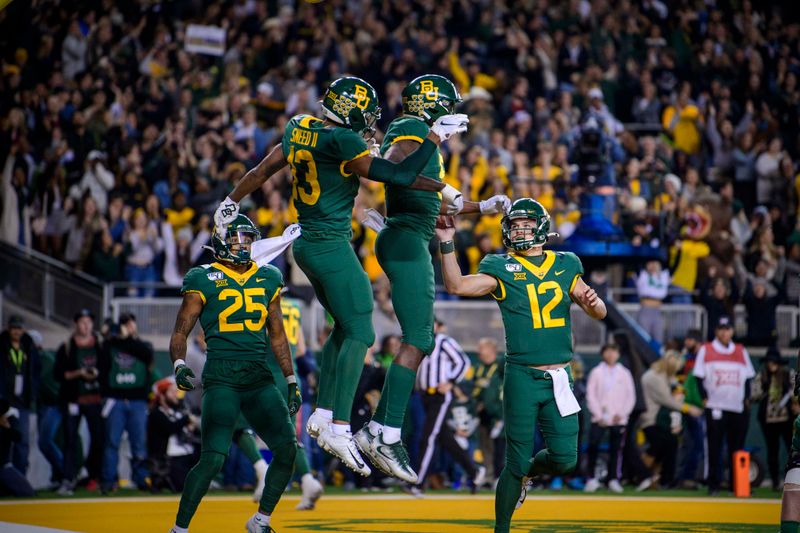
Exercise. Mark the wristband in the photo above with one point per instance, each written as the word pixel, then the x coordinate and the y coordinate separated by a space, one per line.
pixel 685 408
pixel 447 247
pixel 177 363
pixel 291 378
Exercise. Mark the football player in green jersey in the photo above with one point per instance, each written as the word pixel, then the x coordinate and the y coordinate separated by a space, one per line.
pixel 790 503
pixel 235 299
pixel 402 251
pixel 292 315
pixel 533 288
pixel 326 157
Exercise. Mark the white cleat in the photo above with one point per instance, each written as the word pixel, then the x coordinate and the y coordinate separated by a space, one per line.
pixel 255 526
pixel 312 490
pixel 527 484
pixel 364 439
pixel 343 447
pixel 315 424
pixel 392 459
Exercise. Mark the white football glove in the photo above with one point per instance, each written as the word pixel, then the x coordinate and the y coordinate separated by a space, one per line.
pixel 374 148
pixel 448 125
pixel 496 204
pixel 452 199
pixel 226 213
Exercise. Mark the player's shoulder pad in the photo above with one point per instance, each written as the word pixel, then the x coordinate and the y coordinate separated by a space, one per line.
pixel 569 260
pixel 407 128
pixel 196 277
pixel 493 264
pixel 272 273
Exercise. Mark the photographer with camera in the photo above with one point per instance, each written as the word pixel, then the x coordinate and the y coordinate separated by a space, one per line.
pixel 97 180
pixel 76 369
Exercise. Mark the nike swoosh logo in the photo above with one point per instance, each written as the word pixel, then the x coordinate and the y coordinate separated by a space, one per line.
pixel 559 272
pixel 259 280
pixel 355 460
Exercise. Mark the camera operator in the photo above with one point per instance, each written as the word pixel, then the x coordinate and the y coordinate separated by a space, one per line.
pixel 595 152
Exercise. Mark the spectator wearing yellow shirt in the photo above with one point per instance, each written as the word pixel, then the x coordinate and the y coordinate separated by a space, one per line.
pixel 684 256
pixel 274 218
pixel 684 122
pixel 179 215
pixel 544 174
pixel 483 246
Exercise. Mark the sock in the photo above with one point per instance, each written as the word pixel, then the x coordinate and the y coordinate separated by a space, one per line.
pixel 278 476
pixel 340 429
pixel 790 526
pixel 379 416
pixel 196 485
pixel 506 498
pixel 397 389
pixel 177 529
pixel 301 466
pixel 260 467
pixel 348 373
pixel 374 427
pixel 262 519
pixel 327 369
pixel 247 443
pixel 390 435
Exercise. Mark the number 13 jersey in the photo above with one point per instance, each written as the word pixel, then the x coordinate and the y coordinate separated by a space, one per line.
pixel 235 308
pixel 534 302
pixel 323 192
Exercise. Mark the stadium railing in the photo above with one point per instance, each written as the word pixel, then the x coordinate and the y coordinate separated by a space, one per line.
pixel 48 287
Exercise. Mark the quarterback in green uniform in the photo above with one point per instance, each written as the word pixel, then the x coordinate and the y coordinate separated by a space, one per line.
pixel 402 251
pixel 533 288
pixel 235 300
pixel 326 156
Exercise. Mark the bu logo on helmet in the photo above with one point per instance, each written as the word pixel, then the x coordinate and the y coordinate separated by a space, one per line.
pixel 430 91
pixel 360 95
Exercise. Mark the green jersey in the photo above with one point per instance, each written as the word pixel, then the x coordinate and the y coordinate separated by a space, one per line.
pixel 412 209
pixel 534 302
pixel 323 192
pixel 290 309
pixel 235 308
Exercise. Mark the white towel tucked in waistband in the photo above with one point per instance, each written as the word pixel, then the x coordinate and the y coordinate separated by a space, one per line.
pixel 374 220
pixel 263 251
pixel 565 400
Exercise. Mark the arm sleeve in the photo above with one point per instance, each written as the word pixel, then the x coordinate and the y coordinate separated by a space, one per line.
pixel 591 393
pixel 750 372
pixel 404 172
pixel 661 393
pixel 699 369
pixel 630 396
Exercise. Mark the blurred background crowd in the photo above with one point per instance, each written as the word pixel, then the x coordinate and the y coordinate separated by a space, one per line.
pixel 117 144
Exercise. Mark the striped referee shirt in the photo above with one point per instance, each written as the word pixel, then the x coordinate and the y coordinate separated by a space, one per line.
pixel 447 362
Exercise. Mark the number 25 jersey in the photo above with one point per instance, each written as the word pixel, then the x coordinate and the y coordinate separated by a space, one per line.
pixel 534 302
pixel 235 308
pixel 323 192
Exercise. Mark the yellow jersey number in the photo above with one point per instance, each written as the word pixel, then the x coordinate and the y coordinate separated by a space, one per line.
pixel 250 306
pixel 542 319
pixel 291 323
pixel 305 187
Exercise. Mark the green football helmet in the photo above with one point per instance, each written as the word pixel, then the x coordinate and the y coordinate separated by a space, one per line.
pixel 530 209
pixel 240 228
pixel 353 103
pixel 429 97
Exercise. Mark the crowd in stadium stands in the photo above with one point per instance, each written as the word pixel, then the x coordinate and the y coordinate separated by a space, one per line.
pixel 107 378
pixel 117 144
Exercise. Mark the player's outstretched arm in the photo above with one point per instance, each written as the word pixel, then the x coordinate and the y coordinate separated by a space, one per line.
pixel 190 310
pixel 228 209
pixel 283 354
pixel 588 299
pixel 454 281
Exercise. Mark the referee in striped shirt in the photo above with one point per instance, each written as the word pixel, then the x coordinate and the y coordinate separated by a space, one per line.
pixel 437 375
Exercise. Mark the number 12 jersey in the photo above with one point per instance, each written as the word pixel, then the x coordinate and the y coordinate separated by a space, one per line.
pixel 535 302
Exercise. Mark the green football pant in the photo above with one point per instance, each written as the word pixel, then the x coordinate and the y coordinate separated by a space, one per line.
pixel 343 289
pixel 407 262
pixel 247 443
pixel 527 401
pixel 269 417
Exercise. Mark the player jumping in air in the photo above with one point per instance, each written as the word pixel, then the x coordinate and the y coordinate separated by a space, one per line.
pixel 235 299
pixel 533 288
pixel 790 506
pixel 326 157
pixel 402 251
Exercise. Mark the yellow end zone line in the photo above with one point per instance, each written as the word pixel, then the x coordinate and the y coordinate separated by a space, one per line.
pixel 378 497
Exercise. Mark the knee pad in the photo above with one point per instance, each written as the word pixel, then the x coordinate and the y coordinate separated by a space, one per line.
pixel 359 328
pixel 211 462
pixel 285 453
